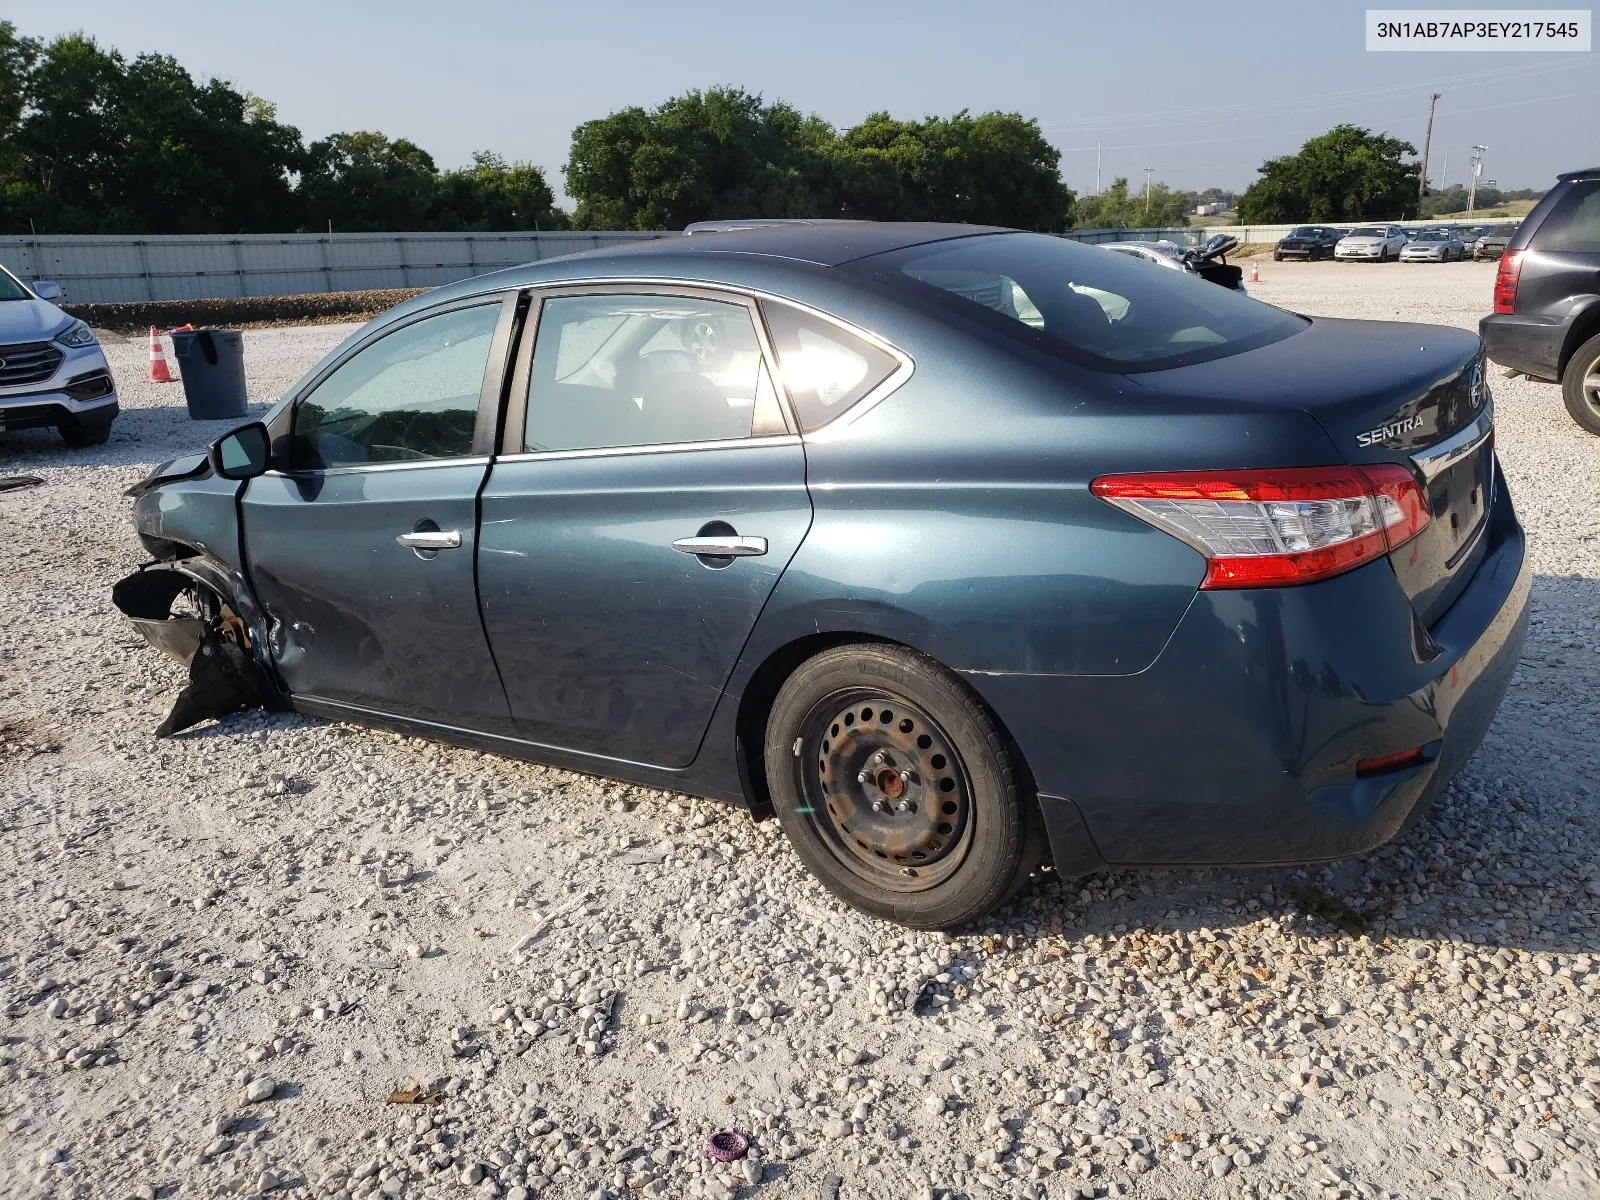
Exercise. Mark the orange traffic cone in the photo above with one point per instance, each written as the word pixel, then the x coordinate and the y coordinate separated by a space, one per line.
pixel 1255 273
pixel 159 371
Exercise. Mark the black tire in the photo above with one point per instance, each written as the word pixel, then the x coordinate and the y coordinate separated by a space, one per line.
pixel 80 437
pixel 1580 385
pixel 1276 257
pixel 958 832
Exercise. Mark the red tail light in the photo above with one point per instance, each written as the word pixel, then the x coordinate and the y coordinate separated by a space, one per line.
pixel 1505 282
pixel 1278 527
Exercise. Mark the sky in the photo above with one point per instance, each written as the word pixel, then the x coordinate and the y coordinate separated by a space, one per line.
pixel 1200 93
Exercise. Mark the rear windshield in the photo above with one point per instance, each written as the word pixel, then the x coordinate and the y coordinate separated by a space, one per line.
pixel 1083 303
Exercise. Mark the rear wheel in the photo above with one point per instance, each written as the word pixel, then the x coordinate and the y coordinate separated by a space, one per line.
pixel 896 789
pixel 1580 385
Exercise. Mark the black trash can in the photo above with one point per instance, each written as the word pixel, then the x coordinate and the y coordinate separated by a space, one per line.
pixel 211 362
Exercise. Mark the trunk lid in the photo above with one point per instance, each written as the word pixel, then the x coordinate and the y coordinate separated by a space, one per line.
pixel 1384 392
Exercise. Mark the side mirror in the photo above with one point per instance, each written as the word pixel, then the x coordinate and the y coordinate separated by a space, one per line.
pixel 242 454
pixel 46 289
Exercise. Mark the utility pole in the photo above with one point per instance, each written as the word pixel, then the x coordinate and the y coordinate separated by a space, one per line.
pixel 1148 171
pixel 1097 168
pixel 1472 181
pixel 1427 138
pixel 1444 175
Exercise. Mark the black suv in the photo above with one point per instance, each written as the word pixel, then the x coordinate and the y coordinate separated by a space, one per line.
pixel 1546 320
pixel 1308 241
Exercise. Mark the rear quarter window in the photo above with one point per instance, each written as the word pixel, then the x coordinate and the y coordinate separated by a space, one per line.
pixel 1573 226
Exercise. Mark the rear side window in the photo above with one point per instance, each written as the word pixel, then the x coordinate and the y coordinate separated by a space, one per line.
pixel 1083 303
pixel 409 396
pixel 646 370
pixel 1573 226
pixel 825 368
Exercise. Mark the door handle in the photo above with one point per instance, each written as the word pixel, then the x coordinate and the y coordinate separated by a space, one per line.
pixel 431 539
pixel 721 546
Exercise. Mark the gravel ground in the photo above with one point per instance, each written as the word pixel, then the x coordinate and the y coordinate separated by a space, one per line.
pixel 227 957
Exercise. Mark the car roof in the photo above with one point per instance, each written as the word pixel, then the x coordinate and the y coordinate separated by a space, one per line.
pixel 825 243
pixel 1586 173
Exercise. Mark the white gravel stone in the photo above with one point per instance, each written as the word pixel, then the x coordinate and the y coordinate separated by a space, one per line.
pixel 258 1089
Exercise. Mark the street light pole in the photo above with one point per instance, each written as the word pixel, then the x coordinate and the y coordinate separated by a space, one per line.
pixel 1472 181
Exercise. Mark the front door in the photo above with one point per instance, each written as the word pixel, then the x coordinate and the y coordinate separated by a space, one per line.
pixel 653 495
pixel 362 550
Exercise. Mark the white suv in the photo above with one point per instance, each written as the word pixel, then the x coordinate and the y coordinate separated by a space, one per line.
pixel 52 370
pixel 1371 243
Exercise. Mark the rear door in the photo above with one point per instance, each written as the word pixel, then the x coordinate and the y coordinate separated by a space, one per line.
pixel 361 550
pixel 651 492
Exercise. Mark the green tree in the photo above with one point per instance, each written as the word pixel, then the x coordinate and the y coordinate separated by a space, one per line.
pixel 725 153
pixel 994 169
pixel 365 183
pixel 1346 174
pixel 104 146
pixel 1118 208
pixel 704 155
pixel 494 195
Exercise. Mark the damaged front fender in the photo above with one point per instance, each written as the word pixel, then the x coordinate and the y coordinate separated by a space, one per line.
pixel 200 613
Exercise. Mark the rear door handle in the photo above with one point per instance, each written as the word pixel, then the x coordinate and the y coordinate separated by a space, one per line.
pixel 431 539
pixel 722 546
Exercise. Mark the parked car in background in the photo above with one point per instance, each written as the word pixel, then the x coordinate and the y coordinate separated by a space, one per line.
pixel 1436 244
pixel 1546 319
pixel 1163 574
pixel 52 370
pixel 1411 231
pixel 1309 242
pixel 1371 243
pixel 1492 241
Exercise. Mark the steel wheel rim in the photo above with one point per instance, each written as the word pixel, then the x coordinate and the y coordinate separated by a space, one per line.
pixel 885 790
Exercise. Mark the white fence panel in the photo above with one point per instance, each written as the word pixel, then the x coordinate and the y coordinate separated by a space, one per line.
pixel 95 268
pixel 100 268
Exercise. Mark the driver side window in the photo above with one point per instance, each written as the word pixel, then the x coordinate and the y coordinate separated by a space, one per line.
pixel 410 396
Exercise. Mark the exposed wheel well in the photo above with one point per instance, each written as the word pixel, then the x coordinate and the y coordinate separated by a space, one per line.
pixel 1584 328
pixel 750 726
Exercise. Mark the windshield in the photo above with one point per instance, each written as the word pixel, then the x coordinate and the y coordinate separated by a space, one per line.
pixel 1432 235
pixel 10 289
pixel 1079 302
pixel 1304 231
pixel 1366 231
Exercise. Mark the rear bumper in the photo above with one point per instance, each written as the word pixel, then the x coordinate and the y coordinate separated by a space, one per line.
pixel 1528 344
pixel 1239 744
